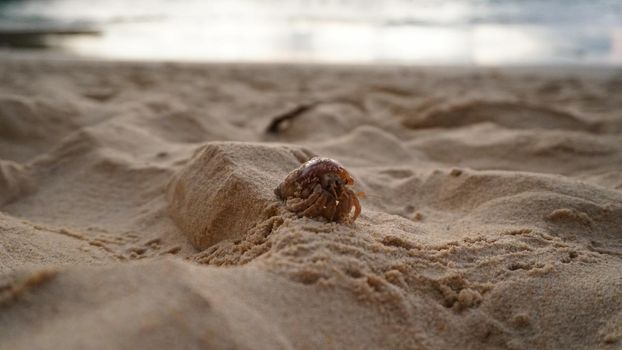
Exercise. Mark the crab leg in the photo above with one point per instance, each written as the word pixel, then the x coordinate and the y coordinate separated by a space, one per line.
pixel 344 207
pixel 315 208
pixel 330 210
pixel 357 205
pixel 298 204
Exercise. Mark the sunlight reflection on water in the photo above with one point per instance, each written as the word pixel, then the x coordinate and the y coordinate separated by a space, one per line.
pixel 398 31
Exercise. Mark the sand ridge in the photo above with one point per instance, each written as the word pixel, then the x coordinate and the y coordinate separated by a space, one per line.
pixel 137 207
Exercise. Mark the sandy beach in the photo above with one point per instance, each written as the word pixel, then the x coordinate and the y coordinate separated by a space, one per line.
pixel 137 207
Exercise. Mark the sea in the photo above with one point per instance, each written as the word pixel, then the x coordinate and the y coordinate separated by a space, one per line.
pixel 422 32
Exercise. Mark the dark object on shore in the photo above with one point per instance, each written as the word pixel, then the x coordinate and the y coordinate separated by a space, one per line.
pixel 277 122
pixel 40 37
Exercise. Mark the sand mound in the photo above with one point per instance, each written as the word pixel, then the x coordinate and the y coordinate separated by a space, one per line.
pixel 511 114
pixel 15 181
pixel 137 208
pixel 29 126
pixel 227 188
pixel 545 151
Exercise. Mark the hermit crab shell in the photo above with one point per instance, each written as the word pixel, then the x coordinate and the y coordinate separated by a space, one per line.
pixel 320 188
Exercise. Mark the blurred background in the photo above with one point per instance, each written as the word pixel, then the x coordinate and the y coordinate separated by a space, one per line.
pixel 478 32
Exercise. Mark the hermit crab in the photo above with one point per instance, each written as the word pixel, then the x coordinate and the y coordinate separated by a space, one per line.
pixel 319 188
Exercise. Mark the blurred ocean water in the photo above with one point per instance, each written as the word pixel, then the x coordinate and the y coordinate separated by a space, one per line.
pixel 482 32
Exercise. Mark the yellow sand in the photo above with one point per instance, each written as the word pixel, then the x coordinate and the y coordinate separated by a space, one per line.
pixel 137 207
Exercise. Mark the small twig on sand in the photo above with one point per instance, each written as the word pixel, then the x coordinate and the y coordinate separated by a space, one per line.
pixel 276 124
